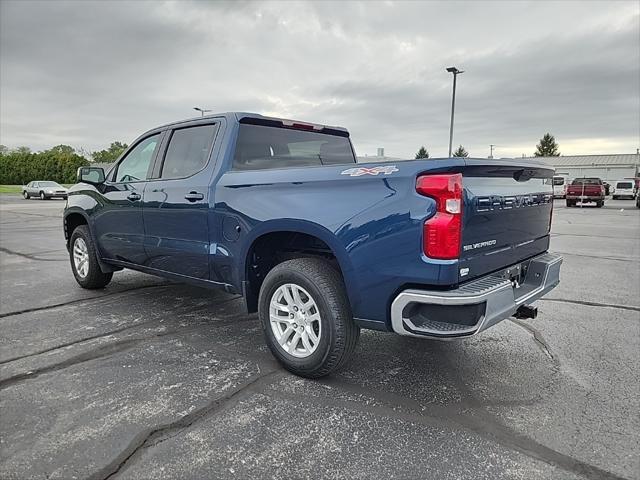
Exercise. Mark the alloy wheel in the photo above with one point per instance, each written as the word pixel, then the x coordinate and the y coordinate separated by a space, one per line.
pixel 295 320
pixel 81 257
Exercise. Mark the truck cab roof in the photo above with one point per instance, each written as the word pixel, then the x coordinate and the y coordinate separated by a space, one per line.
pixel 247 116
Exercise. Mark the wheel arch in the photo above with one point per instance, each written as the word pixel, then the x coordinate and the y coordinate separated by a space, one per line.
pixel 309 229
pixel 73 218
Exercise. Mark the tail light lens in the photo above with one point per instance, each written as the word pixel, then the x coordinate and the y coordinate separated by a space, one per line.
pixel 442 233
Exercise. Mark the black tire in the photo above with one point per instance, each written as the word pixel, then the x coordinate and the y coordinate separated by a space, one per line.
pixel 570 203
pixel 94 278
pixel 339 334
pixel 599 204
pixel 26 195
pixel 614 197
pixel 42 196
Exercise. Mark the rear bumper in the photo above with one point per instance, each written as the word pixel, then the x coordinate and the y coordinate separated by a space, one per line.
pixel 474 306
pixel 586 198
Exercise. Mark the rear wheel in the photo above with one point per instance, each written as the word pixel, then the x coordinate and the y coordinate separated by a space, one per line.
pixel 570 203
pixel 306 317
pixel 84 261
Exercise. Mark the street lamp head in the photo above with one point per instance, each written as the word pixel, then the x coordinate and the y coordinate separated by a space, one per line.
pixel 454 70
pixel 197 108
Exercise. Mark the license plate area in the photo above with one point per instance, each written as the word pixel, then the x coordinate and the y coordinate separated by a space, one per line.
pixel 515 274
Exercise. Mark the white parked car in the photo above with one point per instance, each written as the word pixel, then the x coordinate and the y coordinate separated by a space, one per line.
pixel 624 189
pixel 44 190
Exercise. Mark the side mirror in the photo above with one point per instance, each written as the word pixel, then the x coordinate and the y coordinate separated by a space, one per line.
pixel 92 175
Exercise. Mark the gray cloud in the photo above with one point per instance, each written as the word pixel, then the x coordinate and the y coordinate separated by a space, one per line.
pixel 87 73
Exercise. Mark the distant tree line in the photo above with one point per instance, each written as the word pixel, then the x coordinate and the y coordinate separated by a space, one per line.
pixel 547 147
pixel 59 164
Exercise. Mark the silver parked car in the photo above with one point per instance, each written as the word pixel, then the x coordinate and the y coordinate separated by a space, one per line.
pixel 45 190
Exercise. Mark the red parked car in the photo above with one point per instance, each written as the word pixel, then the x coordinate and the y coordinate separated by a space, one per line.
pixel 585 190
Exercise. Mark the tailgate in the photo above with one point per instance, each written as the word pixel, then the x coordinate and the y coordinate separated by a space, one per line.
pixel 590 190
pixel 507 214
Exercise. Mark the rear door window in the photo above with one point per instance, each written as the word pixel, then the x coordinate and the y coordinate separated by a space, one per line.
pixel 558 181
pixel 624 185
pixel 262 147
pixel 188 151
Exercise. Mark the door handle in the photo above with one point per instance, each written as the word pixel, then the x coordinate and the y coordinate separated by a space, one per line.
pixel 194 196
pixel 134 196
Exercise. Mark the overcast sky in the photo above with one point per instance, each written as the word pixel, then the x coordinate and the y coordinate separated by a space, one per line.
pixel 88 73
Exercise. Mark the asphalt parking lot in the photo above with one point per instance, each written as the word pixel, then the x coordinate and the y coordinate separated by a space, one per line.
pixel 148 379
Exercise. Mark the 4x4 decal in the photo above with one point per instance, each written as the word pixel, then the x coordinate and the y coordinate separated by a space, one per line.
pixel 358 172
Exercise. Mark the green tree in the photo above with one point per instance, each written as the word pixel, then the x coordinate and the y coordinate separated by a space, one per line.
pixel 110 154
pixel 3 149
pixel 59 164
pixel 63 150
pixel 460 152
pixel 547 147
pixel 422 153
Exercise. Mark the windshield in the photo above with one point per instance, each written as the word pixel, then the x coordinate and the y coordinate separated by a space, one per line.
pixel 262 147
pixel 587 181
pixel 50 184
pixel 624 185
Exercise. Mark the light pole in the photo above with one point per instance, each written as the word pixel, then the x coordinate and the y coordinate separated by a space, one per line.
pixel 491 147
pixel 455 72
pixel 202 110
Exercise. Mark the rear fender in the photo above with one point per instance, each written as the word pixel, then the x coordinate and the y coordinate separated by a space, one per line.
pixel 309 228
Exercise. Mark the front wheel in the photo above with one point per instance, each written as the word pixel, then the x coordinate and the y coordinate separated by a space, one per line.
pixel 599 204
pixel 306 317
pixel 26 195
pixel 84 261
pixel 570 203
pixel 42 196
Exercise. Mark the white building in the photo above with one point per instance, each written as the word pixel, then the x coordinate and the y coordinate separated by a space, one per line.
pixel 380 157
pixel 606 167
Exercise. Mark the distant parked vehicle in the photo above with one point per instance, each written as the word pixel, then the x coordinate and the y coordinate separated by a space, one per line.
pixel 560 186
pixel 624 189
pixel 44 190
pixel 585 190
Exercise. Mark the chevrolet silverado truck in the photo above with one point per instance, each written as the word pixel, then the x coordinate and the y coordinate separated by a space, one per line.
pixel 585 190
pixel 320 246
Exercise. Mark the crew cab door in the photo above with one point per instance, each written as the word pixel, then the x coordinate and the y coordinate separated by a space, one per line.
pixel 118 225
pixel 176 202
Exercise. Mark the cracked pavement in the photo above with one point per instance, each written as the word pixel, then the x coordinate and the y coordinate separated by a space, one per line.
pixel 149 379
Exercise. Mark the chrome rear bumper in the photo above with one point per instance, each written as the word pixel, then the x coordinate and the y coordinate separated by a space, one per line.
pixel 474 306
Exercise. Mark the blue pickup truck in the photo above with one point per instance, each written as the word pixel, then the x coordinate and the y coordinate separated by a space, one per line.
pixel 319 245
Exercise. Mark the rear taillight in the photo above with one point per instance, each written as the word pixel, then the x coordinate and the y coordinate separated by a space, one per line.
pixel 442 232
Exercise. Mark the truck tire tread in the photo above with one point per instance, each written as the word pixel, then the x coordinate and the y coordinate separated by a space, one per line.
pixel 95 278
pixel 334 308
